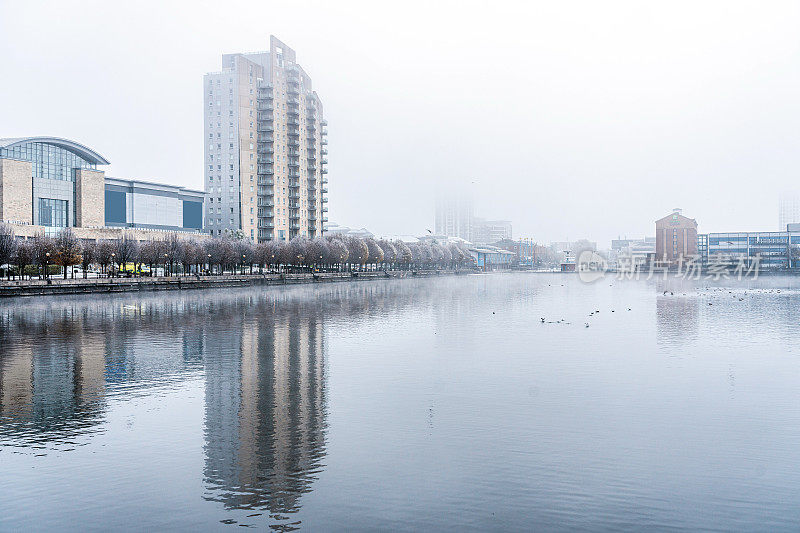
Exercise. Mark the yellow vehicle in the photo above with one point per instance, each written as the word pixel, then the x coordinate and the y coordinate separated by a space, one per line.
pixel 129 270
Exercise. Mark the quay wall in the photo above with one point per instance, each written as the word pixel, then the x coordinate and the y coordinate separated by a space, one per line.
pixel 111 285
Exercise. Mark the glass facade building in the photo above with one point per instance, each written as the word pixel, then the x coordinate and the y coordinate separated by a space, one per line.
pixel 49 161
pixel 775 249
pixel 52 213
pixel 55 183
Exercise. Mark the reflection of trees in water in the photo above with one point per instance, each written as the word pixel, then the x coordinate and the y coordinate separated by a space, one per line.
pixel 263 353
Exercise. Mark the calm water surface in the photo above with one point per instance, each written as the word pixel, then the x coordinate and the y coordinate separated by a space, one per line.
pixel 432 404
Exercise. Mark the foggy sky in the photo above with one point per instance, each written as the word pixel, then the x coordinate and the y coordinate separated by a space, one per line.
pixel 572 120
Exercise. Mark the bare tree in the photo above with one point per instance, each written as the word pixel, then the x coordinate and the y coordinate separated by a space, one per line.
pixel 317 250
pixel 126 251
pixel 244 254
pixel 299 250
pixel 23 256
pixel 105 254
pixel 261 254
pixel 88 254
pixel 446 257
pixel 67 249
pixel 357 251
pixel 150 254
pixel 404 255
pixel 337 252
pixel 173 250
pixel 389 252
pixel 273 253
pixel 286 254
pixel 8 245
pixel 374 252
pixel 436 253
pixel 191 255
pixel 416 254
pixel 43 251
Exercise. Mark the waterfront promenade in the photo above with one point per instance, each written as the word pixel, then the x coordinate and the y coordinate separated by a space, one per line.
pixel 57 286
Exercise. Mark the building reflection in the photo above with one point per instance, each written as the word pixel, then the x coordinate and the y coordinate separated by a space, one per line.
pixel 265 408
pixel 51 381
pixel 262 356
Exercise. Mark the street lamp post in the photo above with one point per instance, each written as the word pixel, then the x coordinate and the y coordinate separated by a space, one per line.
pixel 113 262
pixel 47 265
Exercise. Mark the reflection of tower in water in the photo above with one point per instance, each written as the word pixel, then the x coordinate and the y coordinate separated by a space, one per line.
pixel 265 408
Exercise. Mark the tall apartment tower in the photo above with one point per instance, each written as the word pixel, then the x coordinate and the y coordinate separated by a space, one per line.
pixel 454 215
pixel 265 148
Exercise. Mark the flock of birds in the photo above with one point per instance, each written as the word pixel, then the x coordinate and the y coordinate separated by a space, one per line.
pixel 562 321
pixel 708 292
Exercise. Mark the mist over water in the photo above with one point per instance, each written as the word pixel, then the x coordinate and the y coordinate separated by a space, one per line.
pixel 417 404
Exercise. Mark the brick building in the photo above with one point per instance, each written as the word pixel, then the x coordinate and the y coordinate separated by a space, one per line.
pixel 676 237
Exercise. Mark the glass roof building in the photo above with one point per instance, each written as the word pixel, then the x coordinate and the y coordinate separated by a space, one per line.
pixel 51 183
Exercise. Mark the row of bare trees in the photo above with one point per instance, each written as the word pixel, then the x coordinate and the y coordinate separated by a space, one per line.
pixel 180 256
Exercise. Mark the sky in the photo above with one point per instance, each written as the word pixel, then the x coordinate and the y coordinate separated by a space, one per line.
pixel 571 119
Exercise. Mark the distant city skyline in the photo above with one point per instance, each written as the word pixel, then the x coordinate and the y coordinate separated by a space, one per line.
pixel 569 121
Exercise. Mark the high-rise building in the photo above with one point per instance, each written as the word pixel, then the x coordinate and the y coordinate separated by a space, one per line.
pixel 454 216
pixel 265 148
pixel 788 210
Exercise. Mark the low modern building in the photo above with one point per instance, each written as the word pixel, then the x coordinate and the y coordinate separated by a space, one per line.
pixel 49 183
pixel 143 204
pixel 631 251
pixel 489 258
pixel 490 231
pixel 524 250
pixel 336 229
pixel 774 250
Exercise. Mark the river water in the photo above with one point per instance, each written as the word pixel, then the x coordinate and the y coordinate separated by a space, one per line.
pixel 416 404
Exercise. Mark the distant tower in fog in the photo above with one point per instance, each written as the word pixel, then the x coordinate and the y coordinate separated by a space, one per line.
pixel 788 210
pixel 454 215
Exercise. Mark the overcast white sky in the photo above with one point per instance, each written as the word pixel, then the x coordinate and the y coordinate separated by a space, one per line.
pixel 572 119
